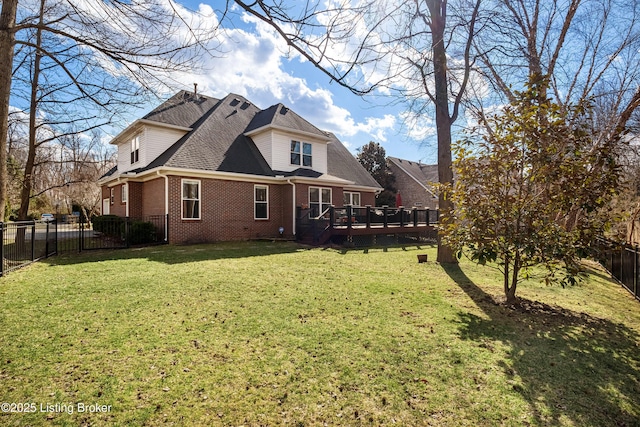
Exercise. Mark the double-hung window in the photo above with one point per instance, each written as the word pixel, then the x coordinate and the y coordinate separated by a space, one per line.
pixel 190 199
pixel 350 198
pixel 135 150
pixel 112 195
pixel 319 200
pixel 261 202
pixel 123 195
pixel 301 154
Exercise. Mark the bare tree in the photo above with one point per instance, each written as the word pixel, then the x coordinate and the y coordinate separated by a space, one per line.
pixel 100 57
pixel 588 51
pixel 419 51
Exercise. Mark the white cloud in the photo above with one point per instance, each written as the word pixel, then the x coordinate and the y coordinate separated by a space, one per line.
pixel 254 64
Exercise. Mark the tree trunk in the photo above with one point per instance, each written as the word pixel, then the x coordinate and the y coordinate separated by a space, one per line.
pixel 510 291
pixel 7 43
pixel 438 12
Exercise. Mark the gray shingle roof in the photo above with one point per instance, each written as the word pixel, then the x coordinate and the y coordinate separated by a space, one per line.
pixel 281 116
pixel 343 164
pixel 217 141
pixel 182 109
pixel 424 174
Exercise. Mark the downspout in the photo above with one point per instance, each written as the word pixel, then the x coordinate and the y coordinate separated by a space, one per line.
pixel 293 205
pixel 166 200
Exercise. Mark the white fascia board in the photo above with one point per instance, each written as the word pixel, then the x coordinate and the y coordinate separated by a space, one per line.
pixel 138 124
pixel 270 127
pixel 204 174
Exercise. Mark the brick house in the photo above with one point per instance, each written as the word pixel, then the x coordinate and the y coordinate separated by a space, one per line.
pixel 413 181
pixel 224 169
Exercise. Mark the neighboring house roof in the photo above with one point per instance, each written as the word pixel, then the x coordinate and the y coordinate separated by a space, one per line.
pixel 421 173
pixel 218 140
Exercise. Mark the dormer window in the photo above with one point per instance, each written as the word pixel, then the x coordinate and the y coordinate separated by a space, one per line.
pixel 135 150
pixel 301 154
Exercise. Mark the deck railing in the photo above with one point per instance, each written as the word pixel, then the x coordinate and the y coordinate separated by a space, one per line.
pixel 364 219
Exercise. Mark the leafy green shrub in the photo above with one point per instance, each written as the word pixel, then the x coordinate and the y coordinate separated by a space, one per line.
pixel 141 232
pixel 109 225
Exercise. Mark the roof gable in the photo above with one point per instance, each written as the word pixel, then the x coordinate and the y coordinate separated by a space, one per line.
pixel 281 117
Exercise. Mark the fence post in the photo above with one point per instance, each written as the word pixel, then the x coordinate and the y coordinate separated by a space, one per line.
pixel 33 241
pixel 80 234
pixel 1 248
pixel 635 270
pixel 166 228
pixel 46 241
pixel 127 232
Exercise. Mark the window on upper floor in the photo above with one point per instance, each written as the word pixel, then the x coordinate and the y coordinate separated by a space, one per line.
pixel 135 150
pixel 301 154
pixel 190 199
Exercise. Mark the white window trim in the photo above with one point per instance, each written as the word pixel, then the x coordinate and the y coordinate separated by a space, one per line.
pixel 199 199
pixel 351 193
pixel 255 202
pixel 124 193
pixel 301 154
pixel 320 196
pixel 112 196
pixel 135 149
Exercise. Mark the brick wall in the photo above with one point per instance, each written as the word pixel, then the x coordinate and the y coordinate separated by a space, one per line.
pixel 227 212
pixel 152 200
pixel 413 194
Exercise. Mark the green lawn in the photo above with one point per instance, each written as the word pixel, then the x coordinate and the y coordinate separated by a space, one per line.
pixel 273 334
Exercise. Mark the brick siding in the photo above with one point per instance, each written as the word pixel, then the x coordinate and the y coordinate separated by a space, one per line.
pixel 413 194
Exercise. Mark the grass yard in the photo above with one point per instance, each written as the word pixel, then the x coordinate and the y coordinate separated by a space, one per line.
pixel 272 334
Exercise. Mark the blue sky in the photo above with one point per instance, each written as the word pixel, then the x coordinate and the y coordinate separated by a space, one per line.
pixel 255 63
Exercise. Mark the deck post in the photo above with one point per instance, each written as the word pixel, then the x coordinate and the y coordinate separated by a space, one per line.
pixel 349 213
pixel 415 217
pixel 385 221
pixel 428 216
pixel 332 216
pixel 401 212
pixel 368 216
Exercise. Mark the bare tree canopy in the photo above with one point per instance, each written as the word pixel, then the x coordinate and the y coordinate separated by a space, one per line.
pixel 93 58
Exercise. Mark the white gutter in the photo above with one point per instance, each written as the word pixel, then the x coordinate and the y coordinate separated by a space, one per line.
pixel 166 199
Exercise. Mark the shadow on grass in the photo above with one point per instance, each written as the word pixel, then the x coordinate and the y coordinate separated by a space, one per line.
pixel 172 254
pixel 572 368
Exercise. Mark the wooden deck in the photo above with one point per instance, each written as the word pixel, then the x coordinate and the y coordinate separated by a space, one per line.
pixel 348 222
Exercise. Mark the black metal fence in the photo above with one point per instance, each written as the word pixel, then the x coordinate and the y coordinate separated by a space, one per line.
pixel 622 262
pixel 25 242
pixel 29 241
